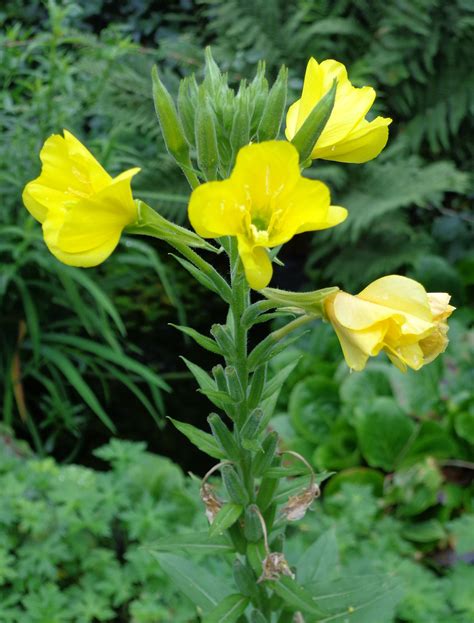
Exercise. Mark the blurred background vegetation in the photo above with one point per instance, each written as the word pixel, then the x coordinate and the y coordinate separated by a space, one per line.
pixel 86 356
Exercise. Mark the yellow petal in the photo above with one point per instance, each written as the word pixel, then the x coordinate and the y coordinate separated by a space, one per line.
pixel 264 171
pixel 34 206
pixel 305 207
pixel 90 223
pixel 217 209
pixel 357 314
pixel 409 355
pixel 435 343
pixel 439 305
pixel 357 346
pixel 399 293
pixel 92 170
pixel 257 264
pixel 364 143
pixel 350 106
pixel 89 258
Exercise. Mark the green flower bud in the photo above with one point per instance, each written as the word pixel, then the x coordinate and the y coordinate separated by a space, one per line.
pixel 170 123
pixel 187 104
pixel 252 526
pixel 266 491
pixel 256 386
pixel 234 485
pixel 223 436
pixel 272 116
pixel 233 383
pixel 206 138
pixel 244 578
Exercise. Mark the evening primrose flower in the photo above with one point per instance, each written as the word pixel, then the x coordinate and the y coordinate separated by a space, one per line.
pixel 347 136
pixel 265 202
pixel 83 209
pixel 394 314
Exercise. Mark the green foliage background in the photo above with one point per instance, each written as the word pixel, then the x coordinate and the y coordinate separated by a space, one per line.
pixel 84 354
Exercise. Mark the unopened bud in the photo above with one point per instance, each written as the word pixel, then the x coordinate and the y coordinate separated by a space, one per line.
pixel 270 122
pixel 206 138
pixel 170 123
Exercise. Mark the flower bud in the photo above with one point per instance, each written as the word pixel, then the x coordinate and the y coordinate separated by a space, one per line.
pixel 244 578
pixel 250 429
pixel 252 525
pixel 234 485
pixel 272 116
pixel 223 436
pixel 170 123
pixel 206 138
pixel 264 459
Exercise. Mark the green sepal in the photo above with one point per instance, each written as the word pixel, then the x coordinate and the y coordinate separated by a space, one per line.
pixel 200 439
pixel 204 341
pixel 266 491
pixel 223 436
pixel 310 302
pixel 307 136
pixel 257 385
pixel 228 610
pixel 150 223
pixel 225 518
pixel 244 578
pixel 252 526
pixel 272 116
pixel 265 458
pixel 234 485
pixel 170 122
pixel 206 138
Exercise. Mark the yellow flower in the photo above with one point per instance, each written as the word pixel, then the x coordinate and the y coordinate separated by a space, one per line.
pixel 265 202
pixel 347 136
pixel 83 209
pixel 394 314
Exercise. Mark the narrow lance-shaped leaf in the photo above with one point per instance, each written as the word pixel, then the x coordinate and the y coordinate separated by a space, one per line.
pixel 200 439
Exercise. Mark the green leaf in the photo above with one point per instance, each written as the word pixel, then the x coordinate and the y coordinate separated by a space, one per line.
pixel 384 432
pixel 105 352
pixel 193 542
pixel 357 599
pixel 296 596
pixel 313 407
pixel 464 425
pixel 276 383
pixel 65 367
pixel 201 587
pixel 431 439
pixel 424 532
pixel 229 610
pixel 225 518
pixel 203 441
pixel 320 560
pixel 204 341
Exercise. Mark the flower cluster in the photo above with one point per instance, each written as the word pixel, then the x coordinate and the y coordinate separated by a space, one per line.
pixel 263 203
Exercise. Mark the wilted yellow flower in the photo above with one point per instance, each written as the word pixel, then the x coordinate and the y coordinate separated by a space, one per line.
pixel 347 136
pixel 394 314
pixel 265 202
pixel 83 209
